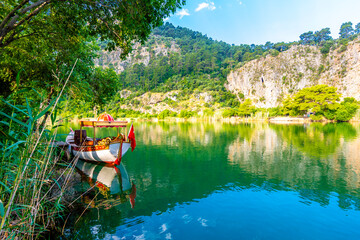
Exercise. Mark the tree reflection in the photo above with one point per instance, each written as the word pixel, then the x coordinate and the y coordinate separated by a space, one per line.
pixel 317 140
pixel 315 160
pixel 178 163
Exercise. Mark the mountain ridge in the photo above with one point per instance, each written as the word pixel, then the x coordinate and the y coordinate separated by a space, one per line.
pixel 267 80
pixel 179 60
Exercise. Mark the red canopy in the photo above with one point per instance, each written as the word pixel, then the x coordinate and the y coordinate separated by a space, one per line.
pixel 105 117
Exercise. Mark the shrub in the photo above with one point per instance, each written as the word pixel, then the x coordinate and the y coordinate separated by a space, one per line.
pixel 229 113
pixel 325 49
pixel 342 115
pixel 274 52
pixel 273 112
pixel 330 114
pixel 347 110
pixel 342 48
pixel 316 117
pixel 166 113
pixel 208 112
pixel 187 114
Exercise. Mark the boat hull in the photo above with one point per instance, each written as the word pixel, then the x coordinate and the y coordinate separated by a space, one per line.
pixel 100 153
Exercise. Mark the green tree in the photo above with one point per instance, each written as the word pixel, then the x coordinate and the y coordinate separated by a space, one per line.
pixel 166 113
pixel 120 22
pixel 229 112
pixel 103 84
pixel 357 28
pixel 307 38
pixel 187 114
pixel 246 108
pixel 318 99
pixel 44 38
pixel 325 49
pixel 346 30
pixel 322 36
pixel 346 110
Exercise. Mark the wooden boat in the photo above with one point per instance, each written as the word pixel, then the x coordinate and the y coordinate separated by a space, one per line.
pixel 113 181
pixel 108 150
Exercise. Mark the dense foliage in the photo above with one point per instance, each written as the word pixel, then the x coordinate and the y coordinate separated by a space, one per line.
pixel 202 62
pixel 120 22
pixel 43 39
pixel 320 101
pixel 245 109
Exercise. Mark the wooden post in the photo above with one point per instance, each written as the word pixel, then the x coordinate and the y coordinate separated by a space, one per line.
pixel 94 135
pixel 120 151
pixel 81 143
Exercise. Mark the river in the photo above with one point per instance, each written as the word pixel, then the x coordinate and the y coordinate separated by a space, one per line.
pixel 232 181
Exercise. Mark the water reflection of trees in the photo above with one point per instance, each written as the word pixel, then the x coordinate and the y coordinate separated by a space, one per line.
pixel 178 163
pixel 316 160
pixel 164 133
pixel 301 158
pixel 317 140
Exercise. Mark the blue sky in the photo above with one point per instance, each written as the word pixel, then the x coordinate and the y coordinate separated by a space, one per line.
pixel 259 21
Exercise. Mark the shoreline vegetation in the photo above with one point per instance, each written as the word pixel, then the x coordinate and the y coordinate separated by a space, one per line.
pixel 275 120
pixel 319 103
pixel 33 174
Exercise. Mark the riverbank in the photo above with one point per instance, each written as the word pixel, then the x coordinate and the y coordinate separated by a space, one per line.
pixel 274 120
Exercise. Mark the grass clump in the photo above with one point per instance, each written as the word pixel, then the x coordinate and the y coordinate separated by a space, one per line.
pixel 31 192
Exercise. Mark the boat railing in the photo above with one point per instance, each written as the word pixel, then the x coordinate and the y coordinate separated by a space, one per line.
pixel 101 124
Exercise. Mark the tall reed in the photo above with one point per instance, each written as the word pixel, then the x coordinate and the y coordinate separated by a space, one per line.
pixel 28 170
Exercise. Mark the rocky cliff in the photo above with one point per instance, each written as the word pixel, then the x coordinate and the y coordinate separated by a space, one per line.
pixel 156 46
pixel 268 80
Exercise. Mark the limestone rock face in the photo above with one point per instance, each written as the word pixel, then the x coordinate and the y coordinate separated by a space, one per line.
pixel 207 97
pixel 125 93
pixel 268 80
pixel 140 54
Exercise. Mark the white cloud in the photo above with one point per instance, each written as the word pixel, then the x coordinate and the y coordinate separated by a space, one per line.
pixel 182 13
pixel 209 5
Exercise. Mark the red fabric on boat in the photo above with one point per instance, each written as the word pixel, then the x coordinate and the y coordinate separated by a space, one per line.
pixel 131 137
pixel 105 117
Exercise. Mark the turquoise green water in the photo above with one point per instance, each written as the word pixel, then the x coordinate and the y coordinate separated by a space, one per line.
pixel 245 181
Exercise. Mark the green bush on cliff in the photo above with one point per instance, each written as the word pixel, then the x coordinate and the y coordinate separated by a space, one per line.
pixel 166 113
pixel 325 49
pixel 246 108
pixel 273 112
pixel 229 112
pixel 208 112
pixel 187 114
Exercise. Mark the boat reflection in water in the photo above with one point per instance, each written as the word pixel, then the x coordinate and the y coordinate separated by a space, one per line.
pixel 109 185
